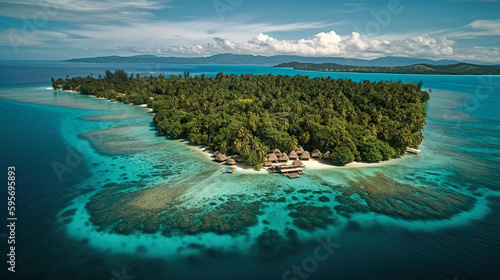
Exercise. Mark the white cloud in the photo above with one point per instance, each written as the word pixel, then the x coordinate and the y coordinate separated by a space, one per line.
pixel 321 44
pixel 480 27
pixel 326 44
pixel 476 53
pixel 489 27
pixel 155 35
pixel 82 10
pixel 17 38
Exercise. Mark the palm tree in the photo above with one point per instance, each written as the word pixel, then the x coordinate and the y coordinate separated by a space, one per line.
pixel 245 149
pixel 304 138
pixel 308 123
pixel 285 127
pixel 292 144
pixel 237 144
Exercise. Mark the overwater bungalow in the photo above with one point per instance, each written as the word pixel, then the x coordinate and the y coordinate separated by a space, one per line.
pixel 326 155
pixel 283 157
pixel 305 156
pixel 299 150
pixel 216 153
pixel 238 158
pixel 315 153
pixel 277 152
pixel 298 163
pixel 272 157
pixel 220 157
pixel 293 155
pixel 288 168
pixel 268 164
pixel 230 161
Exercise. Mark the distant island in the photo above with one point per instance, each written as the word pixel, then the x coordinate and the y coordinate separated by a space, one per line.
pixel 243 59
pixel 428 69
pixel 251 115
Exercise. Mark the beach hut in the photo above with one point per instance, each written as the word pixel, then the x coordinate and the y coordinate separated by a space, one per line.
pixel 315 153
pixel 268 164
pixel 272 157
pixel 284 157
pixel 230 161
pixel 305 156
pixel 293 155
pixel 216 153
pixel 238 158
pixel 299 150
pixel 298 163
pixel 277 152
pixel 220 157
pixel 326 155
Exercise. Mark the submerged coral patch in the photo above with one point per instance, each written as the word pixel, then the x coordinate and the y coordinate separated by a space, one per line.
pixel 386 196
pixel 124 209
pixel 272 245
pixel 122 140
pixel 308 217
pixel 110 117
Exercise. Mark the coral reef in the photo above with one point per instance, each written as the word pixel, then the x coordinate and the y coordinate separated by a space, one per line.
pixel 402 201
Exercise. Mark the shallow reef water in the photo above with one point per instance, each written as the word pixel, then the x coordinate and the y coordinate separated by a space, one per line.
pixel 129 198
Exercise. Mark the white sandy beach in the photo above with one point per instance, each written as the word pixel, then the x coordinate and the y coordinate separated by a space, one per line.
pixel 312 164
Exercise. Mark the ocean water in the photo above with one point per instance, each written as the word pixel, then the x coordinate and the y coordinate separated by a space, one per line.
pixel 99 195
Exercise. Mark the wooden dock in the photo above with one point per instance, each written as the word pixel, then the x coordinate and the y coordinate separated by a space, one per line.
pixel 290 171
pixel 291 175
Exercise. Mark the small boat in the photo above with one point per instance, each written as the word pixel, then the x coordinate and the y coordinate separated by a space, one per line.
pixel 412 150
pixel 229 169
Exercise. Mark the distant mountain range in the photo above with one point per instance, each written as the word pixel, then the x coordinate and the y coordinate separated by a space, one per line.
pixel 420 68
pixel 263 60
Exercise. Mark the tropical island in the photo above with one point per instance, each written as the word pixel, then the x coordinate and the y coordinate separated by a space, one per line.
pixel 423 68
pixel 251 115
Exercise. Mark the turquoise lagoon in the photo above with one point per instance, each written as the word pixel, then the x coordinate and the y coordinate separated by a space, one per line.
pixel 100 194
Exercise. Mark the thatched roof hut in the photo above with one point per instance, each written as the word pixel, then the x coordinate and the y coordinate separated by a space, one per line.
pixel 216 153
pixel 220 157
pixel 326 155
pixel 315 153
pixel 298 162
pixel 230 161
pixel 268 164
pixel 293 155
pixel 272 157
pixel 283 157
pixel 277 152
pixel 305 156
pixel 299 150
pixel 238 158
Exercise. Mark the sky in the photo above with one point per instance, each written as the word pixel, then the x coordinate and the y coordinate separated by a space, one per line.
pixel 467 30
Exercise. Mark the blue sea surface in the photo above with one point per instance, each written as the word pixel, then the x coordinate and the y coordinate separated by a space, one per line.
pixel 66 148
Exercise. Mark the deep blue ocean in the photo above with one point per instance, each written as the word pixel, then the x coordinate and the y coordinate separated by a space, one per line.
pixel 66 147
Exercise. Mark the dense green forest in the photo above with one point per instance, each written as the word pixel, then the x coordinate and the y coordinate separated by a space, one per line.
pixel 453 69
pixel 252 114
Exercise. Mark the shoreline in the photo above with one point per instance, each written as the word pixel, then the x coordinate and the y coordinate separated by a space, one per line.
pixel 145 106
pixel 312 164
